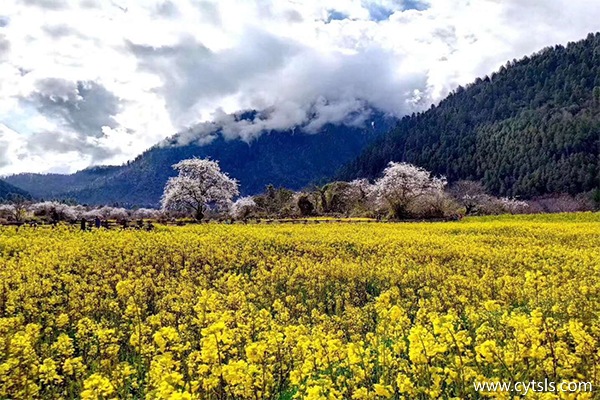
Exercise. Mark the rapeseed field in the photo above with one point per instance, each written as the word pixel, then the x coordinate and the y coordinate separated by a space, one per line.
pixel 315 311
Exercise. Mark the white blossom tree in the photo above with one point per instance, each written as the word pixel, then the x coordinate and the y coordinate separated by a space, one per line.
pixel 92 213
pixel 146 213
pixel 360 193
pixel 401 184
pixel 200 183
pixel 470 194
pixel 363 186
pixel 117 213
pixel 16 210
pixel 242 207
pixel 513 206
pixel 57 210
pixel 7 211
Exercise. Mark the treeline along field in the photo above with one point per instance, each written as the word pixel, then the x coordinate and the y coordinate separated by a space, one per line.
pixel 323 311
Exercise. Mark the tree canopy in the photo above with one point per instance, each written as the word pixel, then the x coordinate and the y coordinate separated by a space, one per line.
pixel 200 183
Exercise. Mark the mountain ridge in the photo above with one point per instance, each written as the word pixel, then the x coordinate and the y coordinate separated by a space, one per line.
pixel 530 129
pixel 6 190
pixel 291 158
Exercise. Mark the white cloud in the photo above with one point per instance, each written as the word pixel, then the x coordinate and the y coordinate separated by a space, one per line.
pixel 87 82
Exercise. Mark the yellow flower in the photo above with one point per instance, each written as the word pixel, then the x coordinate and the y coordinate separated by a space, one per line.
pixel 48 374
pixel 320 311
pixel 64 345
pixel 361 394
pixel 97 387
pixel 383 390
pixel 405 385
pixel 62 320
pixel 73 366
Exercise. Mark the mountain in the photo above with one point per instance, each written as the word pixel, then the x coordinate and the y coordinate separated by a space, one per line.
pixel 53 186
pixel 291 159
pixel 6 190
pixel 530 129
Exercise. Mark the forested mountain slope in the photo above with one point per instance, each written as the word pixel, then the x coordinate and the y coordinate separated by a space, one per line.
pixel 532 128
pixel 6 190
pixel 50 186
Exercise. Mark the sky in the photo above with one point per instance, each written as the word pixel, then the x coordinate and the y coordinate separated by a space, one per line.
pixel 95 82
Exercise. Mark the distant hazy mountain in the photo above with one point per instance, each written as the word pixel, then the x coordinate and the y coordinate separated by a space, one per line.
pixel 292 159
pixel 7 189
pixel 532 128
pixel 51 186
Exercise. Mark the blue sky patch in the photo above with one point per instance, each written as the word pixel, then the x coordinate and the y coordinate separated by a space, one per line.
pixel 335 15
pixel 380 13
pixel 415 5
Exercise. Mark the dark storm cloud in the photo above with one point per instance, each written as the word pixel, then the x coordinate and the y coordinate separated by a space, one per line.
pixel 191 72
pixel 80 109
pixel 41 143
pixel 320 91
pixel 84 107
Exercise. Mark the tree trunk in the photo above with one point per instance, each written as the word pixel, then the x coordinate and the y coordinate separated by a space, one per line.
pixel 469 208
pixel 199 213
pixel 324 204
pixel 399 211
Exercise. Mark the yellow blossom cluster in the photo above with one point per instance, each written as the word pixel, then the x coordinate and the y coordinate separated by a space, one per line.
pixel 311 311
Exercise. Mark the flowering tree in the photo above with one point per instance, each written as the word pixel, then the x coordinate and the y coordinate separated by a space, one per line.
pixel 513 206
pixel 243 207
pixel 199 184
pixel 17 209
pixel 401 184
pixel 7 211
pixel 117 213
pixel 56 210
pixel 92 213
pixel 470 194
pixel 146 213
pixel 359 194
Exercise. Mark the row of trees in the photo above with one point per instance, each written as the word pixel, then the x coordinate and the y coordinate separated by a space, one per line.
pixel 22 210
pixel 404 191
